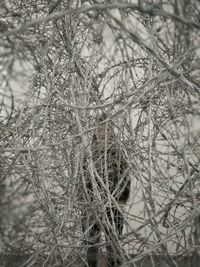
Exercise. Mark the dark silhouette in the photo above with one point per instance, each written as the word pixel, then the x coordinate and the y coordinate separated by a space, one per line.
pixel 113 184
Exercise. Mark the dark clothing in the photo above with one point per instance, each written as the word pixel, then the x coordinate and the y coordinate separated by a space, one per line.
pixel 110 172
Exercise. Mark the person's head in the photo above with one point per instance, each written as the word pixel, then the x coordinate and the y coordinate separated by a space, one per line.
pixel 103 131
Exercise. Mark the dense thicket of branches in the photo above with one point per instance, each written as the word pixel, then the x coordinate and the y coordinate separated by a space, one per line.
pixel 137 61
